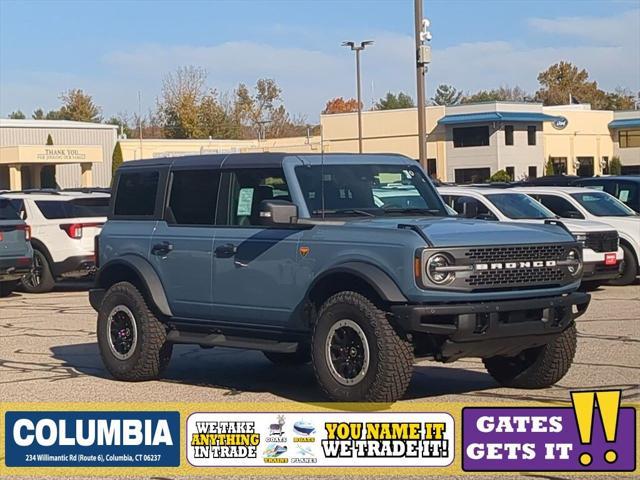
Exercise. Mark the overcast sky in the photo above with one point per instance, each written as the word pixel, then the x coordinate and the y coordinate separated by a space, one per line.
pixel 112 49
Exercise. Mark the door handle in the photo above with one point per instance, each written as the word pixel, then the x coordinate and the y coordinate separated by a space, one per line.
pixel 162 248
pixel 227 250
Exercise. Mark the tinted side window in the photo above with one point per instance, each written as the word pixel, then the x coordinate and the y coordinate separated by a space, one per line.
pixel 558 205
pixel 8 210
pixel 76 208
pixel 193 199
pixel 136 193
pixel 628 194
pixel 250 187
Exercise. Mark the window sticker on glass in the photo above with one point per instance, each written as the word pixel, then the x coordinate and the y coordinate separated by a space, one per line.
pixel 244 202
pixel 623 196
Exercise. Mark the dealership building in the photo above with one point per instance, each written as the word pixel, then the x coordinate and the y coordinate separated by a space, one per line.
pixel 468 143
pixel 465 143
pixel 80 154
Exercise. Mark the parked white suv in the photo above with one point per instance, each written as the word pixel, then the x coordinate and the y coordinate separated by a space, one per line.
pixel 590 204
pixel 63 227
pixel 602 255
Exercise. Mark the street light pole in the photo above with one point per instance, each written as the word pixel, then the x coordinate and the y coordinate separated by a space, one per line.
pixel 358 49
pixel 423 57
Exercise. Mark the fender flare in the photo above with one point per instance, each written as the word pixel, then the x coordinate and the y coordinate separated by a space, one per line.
pixel 148 276
pixel 379 280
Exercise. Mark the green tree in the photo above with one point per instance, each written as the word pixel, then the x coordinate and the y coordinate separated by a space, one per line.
pixel 615 167
pixel 392 101
pixel 78 106
pixel 564 81
pixel 116 158
pixel 38 114
pixel 17 115
pixel 548 167
pixel 446 95
pixel 500 176
pixel 501 94
pixel 122 123
pixel 48 172
pixel 54 115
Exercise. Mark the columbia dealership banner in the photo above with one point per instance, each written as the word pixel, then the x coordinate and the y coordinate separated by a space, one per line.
pixel 592 432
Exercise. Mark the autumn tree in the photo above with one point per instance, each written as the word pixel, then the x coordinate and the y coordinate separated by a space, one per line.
pixel 392 101
pixel 563 82
pixel 17 115
pixel 446 95
pixel 178 107
pixel 340 105
pixel 122 122
pixel 620 99
pixel 79 106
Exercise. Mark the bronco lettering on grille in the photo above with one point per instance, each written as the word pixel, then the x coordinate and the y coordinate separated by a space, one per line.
pixel 514 265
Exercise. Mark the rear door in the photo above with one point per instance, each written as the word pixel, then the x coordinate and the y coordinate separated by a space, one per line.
pixel 182 243
pixel 254 266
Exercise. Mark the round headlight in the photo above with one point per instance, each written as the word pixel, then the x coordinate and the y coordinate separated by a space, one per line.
pixel 434 267
pixel 575 267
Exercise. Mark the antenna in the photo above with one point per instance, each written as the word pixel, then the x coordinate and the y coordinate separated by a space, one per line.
pixel 322 169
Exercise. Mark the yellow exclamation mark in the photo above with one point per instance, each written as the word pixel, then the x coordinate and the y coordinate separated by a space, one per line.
pixel 609 405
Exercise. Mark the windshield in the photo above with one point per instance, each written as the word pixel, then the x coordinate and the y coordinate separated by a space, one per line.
pixel 602 204
pixel 368 190
pixel 519 206
pixel 7 210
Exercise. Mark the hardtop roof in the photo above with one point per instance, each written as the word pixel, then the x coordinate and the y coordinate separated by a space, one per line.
pixel 264 160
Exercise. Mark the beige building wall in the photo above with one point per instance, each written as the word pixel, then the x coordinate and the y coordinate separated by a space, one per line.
pixel 586 135
pixel 134 149
pixel 385 131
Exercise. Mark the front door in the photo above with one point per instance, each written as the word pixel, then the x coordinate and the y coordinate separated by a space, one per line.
pixel 182 245
pixel 254 267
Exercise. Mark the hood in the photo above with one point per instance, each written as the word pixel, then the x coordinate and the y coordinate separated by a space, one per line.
pixel 584 226
pixel 460 232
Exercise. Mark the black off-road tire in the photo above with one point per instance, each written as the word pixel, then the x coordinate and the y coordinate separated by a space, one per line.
pixel 301 356
pixel 6 288
pixel 391 354
pixel 629 269
pixel 151 354
pixel 538 367
pixel 46 281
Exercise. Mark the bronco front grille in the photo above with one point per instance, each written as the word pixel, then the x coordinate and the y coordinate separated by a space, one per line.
pixel 602 241
pixel 519 276
pixel 516 253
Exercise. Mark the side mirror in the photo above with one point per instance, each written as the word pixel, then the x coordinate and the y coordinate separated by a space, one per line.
pixel 276 212
pixel 469 208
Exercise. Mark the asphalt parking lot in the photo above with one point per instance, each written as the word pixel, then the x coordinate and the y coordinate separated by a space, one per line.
pixel 48 352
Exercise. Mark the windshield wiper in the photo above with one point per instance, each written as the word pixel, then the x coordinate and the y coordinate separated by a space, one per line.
pixel 345 211
pixel 428 211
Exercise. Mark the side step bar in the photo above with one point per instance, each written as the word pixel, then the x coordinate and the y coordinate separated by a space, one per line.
pixel 220 340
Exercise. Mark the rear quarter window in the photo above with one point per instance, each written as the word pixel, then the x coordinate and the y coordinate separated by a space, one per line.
pixel 75 208
pixel 8 210
pixel 136 194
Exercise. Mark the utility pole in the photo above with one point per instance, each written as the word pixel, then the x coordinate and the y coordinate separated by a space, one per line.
pixel 358 49
pixel 423 57
pixel 140 121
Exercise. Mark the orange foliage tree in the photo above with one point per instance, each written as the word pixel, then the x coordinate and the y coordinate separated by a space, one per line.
pixel 340 105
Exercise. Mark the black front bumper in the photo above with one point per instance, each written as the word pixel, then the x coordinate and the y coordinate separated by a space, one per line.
pixel 600 271
pixel 487 329
pixel 15 268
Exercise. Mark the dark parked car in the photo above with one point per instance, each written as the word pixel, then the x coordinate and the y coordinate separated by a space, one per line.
pixel 625 188
pixel 551 181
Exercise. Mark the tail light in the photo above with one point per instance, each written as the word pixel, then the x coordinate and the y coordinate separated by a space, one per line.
pixel 74 230
pixel 26 229
pixel 96 250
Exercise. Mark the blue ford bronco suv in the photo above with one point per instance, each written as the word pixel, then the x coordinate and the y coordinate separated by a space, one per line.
pixel 313 258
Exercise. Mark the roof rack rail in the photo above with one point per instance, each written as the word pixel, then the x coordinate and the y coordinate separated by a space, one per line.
pixel 88 189
pixel 37 191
